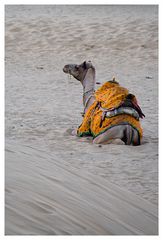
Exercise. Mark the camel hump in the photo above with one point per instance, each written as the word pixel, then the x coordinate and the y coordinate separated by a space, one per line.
pixel 111 95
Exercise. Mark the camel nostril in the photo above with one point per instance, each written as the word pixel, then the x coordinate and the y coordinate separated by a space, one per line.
pixel 65 69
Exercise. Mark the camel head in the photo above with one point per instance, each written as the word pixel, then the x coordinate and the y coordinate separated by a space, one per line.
pixel 78 71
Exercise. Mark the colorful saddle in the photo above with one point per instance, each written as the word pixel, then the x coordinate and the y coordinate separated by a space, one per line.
pixel 113 106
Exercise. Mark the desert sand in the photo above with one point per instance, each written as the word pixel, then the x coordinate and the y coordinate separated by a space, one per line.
pixel 56 183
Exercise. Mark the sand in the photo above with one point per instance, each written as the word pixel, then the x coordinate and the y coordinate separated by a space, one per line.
pixel 57 183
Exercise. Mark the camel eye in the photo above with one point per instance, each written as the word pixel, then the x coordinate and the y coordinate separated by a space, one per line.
pixel 76 67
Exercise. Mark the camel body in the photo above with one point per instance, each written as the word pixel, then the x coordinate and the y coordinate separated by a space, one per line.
pixel 110 113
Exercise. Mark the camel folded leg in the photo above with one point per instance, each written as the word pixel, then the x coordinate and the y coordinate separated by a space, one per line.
pixel 126 133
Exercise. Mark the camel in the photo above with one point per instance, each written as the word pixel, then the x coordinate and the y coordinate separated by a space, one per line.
pixel 111 112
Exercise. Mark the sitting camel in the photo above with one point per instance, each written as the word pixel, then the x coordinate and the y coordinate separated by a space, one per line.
pixel 110 113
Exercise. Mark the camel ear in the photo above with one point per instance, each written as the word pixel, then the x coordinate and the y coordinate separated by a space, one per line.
pixel 85 64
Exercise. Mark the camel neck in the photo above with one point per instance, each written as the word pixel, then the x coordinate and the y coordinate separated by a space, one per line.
pixel 88 86
pixel 89 81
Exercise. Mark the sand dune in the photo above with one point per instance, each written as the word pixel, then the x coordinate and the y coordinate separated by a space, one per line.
pixel 57 183
pixel 45 197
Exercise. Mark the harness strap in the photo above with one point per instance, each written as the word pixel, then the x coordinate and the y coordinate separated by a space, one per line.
pixel 87 100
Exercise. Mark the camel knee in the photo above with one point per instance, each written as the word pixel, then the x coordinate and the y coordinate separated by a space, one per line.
pixel 131 136
pixel 135 138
